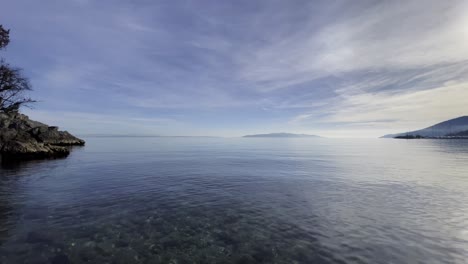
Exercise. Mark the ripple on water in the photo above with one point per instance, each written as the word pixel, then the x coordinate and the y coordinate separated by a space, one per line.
pixel 224 201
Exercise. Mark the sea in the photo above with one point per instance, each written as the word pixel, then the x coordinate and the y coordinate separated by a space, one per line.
pixel 239 200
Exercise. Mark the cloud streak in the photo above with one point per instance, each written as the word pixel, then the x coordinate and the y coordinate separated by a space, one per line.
pixel 305 66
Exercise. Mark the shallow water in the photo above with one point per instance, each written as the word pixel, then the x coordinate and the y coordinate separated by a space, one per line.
pixel 212 200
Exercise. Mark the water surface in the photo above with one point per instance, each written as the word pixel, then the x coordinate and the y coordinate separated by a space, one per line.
pixel 243 200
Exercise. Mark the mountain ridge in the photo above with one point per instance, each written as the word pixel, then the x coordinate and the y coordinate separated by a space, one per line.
pixel 448 128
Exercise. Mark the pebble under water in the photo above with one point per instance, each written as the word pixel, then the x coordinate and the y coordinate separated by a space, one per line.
pixel 239 200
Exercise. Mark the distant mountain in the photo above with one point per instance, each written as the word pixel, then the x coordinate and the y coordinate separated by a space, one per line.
pixel 459 134
pixel 282 135
pixel 449 128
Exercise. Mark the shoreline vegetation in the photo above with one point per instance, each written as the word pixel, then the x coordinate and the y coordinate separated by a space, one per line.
pixel 422 137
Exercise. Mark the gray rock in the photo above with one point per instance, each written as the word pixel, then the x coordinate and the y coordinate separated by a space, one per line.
pixel 22 138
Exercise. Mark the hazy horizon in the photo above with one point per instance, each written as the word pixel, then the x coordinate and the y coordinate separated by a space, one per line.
pixel 233 68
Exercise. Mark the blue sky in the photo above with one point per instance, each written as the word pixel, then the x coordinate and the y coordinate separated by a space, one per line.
pixel 228 68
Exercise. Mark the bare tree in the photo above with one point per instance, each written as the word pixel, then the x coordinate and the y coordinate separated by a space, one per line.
pixel 12 88
pixel 13 84
pixel 4 37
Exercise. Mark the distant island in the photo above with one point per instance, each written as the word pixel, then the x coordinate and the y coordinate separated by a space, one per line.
pixel 456 128
pixel 281 135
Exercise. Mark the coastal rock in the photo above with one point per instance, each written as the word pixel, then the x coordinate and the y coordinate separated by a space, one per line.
pixel 22 138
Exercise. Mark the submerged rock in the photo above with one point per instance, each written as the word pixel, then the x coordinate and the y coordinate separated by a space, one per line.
pixel 60 259
pixel 36 237
pixel 22 138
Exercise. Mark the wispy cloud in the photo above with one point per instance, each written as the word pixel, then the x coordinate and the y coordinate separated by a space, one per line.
pixel 302 65
pixel 80 122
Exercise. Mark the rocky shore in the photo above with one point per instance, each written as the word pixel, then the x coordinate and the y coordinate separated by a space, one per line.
pixel 22 138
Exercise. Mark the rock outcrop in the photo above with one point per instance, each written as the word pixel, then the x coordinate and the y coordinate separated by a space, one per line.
pixel 22 138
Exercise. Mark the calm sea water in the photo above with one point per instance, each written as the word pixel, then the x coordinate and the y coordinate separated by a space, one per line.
pixel 211 200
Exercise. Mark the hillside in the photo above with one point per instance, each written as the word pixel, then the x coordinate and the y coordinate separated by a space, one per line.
pixel 459 134
pixel 444 129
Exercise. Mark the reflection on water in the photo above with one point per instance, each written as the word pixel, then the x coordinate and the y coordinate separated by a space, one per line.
pixel 186 200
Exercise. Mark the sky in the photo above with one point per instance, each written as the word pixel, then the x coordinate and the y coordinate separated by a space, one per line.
pixel 230 68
